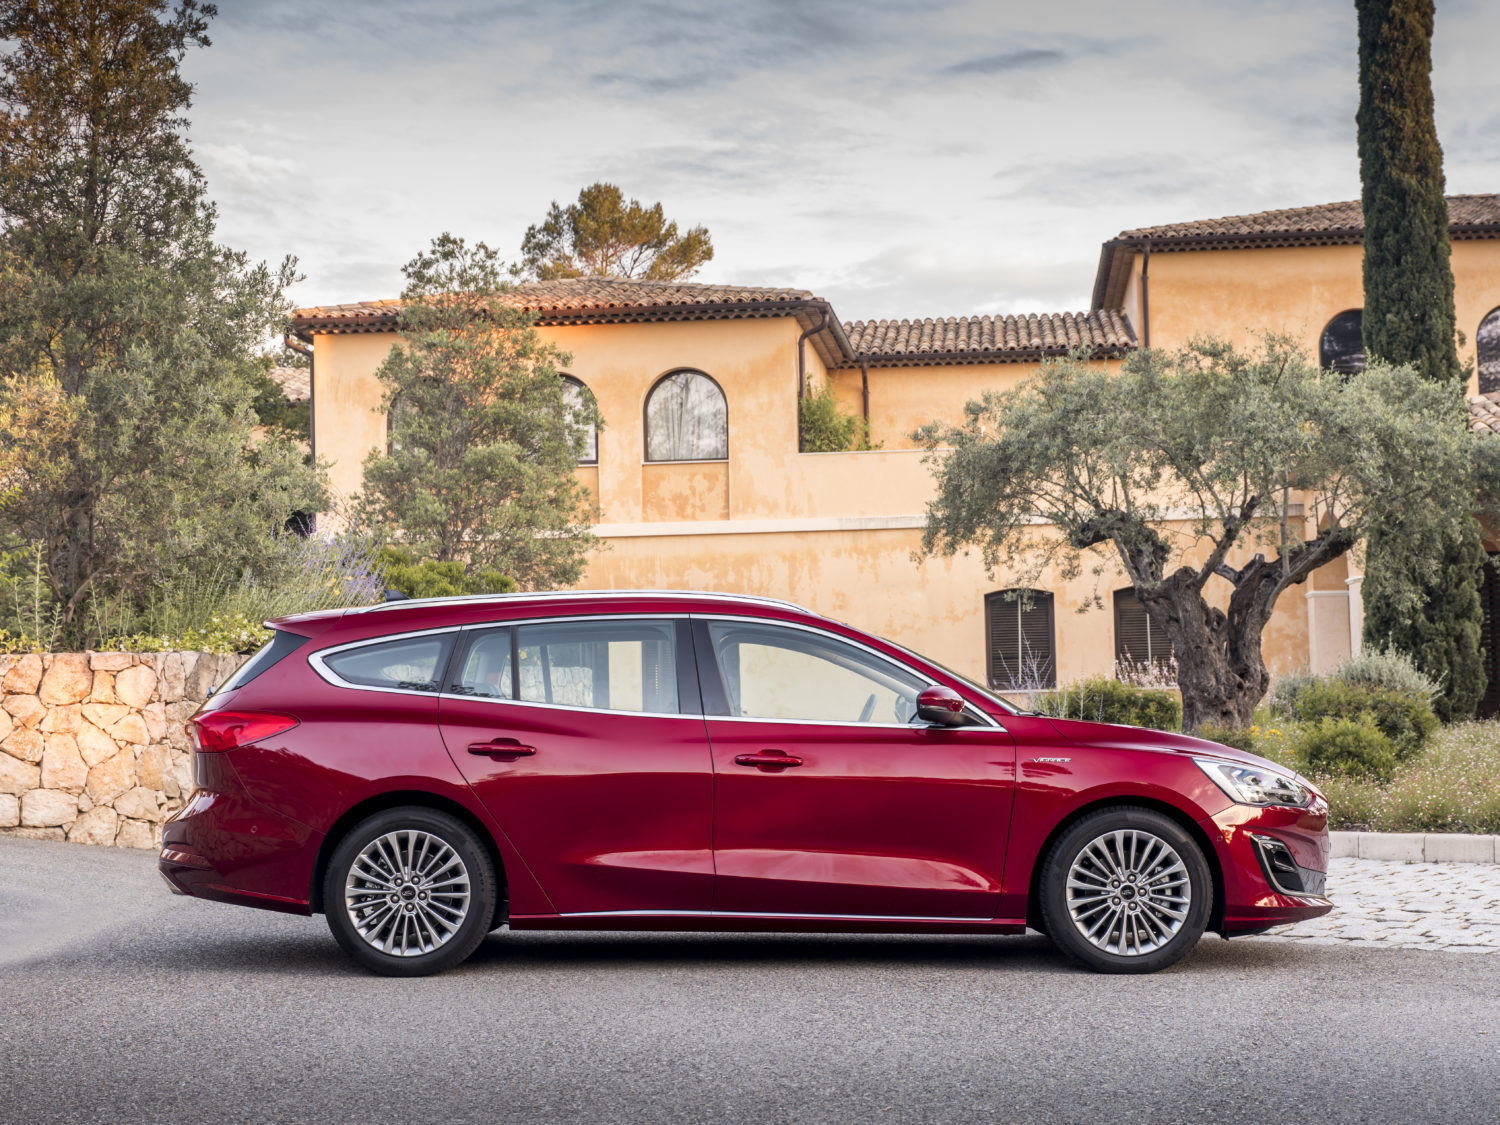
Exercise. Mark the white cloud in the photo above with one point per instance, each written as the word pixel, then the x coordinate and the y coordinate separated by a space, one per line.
pixel 901 158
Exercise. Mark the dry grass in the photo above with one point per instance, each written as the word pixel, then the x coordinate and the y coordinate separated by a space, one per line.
pixel 1453 786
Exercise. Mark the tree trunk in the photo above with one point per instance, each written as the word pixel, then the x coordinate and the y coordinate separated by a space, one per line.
pixel 1220 670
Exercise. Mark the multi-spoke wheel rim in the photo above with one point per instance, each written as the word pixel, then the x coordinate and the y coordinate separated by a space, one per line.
pixel 1128 892
pixel 407 893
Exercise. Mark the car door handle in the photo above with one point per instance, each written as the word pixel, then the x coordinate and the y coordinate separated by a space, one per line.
pixel 502 749
pixel 768 761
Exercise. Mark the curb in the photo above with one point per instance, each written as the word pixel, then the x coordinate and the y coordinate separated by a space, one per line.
pixel 1416 847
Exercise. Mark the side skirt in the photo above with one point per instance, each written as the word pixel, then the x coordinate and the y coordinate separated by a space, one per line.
pixel 708 921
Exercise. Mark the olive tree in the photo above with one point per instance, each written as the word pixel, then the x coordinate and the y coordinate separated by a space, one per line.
pixel 1215 479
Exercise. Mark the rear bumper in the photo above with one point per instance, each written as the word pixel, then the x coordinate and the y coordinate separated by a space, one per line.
pixel 224 846
pixel 1275 864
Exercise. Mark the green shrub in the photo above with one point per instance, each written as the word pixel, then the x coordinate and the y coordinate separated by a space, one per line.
pixel 1373 669
pixel 1347 747
pixel 1102 700
pixel 1450 788
pixel 1404 717
pixel 431 579
pixel 1389 670
pixel 827 429
pixel 1245 740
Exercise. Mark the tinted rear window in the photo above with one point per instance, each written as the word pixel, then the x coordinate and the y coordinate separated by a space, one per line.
pixel 281 645
pixel 408 664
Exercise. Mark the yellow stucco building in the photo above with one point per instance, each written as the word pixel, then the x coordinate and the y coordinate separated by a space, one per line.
pixel 701 485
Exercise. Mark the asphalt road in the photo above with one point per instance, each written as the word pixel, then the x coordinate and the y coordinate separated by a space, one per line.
pixel 120 1002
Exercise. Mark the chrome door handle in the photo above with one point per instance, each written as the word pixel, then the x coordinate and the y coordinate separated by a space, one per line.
pixel 768 761
pixel 503 749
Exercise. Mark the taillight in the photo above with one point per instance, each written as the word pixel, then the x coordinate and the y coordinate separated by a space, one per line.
pixel 224 730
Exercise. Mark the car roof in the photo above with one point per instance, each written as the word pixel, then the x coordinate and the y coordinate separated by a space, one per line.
pixel 541 599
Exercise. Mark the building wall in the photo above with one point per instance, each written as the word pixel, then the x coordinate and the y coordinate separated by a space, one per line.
pixel 833 531
pixel 1242 294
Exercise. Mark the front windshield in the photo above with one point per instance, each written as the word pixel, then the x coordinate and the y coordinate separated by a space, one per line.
pixel 1011 708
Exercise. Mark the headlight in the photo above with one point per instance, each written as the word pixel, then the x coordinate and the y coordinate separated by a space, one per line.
pixel 1256 785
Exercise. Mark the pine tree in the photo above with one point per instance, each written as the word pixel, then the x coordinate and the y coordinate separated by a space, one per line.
pixel 128 336
pixel 1409 319
pixel 606 235
pixel 483 440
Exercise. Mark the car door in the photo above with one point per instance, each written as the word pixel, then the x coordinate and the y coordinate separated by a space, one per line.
pixel 585 740
pixel 829 799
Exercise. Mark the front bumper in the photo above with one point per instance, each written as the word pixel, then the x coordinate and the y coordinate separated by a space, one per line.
pixel 1275 864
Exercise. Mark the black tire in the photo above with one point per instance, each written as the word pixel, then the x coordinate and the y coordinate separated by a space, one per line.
pixel 1103 930
pixel 397 935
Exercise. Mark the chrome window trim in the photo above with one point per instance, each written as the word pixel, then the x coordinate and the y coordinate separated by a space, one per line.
pixel 328 674
pixel 315 660
pixel 914 725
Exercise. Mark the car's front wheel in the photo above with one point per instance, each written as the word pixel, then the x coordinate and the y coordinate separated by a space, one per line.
pixel 1126 890
pixel 409 892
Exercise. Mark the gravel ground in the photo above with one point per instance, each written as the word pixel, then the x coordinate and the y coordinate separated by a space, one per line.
pixel 122 1002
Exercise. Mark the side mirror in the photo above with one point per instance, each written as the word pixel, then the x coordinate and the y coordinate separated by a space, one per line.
pixel 941 705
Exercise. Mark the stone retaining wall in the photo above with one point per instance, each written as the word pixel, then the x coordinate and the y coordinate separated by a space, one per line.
pixel 92 745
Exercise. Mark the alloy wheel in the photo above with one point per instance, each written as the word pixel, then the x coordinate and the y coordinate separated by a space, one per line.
pixel 407 893
pixel 1128 892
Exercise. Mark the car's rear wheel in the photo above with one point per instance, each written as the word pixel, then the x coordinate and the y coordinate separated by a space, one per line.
pixel 1126 890
pixel 409 892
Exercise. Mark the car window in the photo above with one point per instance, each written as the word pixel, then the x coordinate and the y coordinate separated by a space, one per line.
pixel 626 665
pixel 411 663
pixel 771 672
pixel 486 668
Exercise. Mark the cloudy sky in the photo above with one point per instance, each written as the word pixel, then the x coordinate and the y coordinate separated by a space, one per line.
pixel 908 158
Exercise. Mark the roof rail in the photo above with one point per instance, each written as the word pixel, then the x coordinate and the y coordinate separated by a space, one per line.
pixel 548 595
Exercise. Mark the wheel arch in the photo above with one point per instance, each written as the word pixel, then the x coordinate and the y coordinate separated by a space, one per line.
pixel 1183 820
pixel 402 798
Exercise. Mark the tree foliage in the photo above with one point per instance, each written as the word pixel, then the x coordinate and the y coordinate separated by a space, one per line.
pixel 128 337
pixel 483 444
pixel 1253 469
pixel 604 235
pixel 1409 319
pixel 1408 312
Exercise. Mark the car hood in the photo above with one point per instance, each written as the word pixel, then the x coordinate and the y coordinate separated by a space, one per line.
pixel 1109 736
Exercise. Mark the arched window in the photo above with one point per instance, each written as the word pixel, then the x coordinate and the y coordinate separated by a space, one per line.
pixel 576 395
pixel 1487 339
pixel 1018 640
pixel 687 419
pixel 400 412
pixel 1342 347
pixel 1141 646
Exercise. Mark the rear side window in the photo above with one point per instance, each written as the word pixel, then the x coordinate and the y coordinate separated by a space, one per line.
pixel 407 664
pixel 485 671
pixel 281 645
pixel 608 665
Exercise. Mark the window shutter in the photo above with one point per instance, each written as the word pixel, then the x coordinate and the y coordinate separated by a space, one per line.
pixel 1138 639
pixel 1489 642
pixel 1019 640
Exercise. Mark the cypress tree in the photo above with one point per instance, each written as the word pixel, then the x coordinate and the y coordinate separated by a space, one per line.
pixel 1409 319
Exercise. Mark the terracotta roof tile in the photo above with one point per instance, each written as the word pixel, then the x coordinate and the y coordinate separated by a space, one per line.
pixel 295 382
pixel 978 338
pixel 1467 215
pixel 583 295
pixel 970 339
pixel 1326 224
pixel 1484 412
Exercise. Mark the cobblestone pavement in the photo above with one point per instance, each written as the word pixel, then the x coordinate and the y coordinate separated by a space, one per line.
pixel 1448 906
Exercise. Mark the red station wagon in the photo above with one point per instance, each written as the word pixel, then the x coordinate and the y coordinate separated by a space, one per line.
pixel 424 772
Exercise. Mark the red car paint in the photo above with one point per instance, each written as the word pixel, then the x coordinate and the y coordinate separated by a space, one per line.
pixel 607 819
